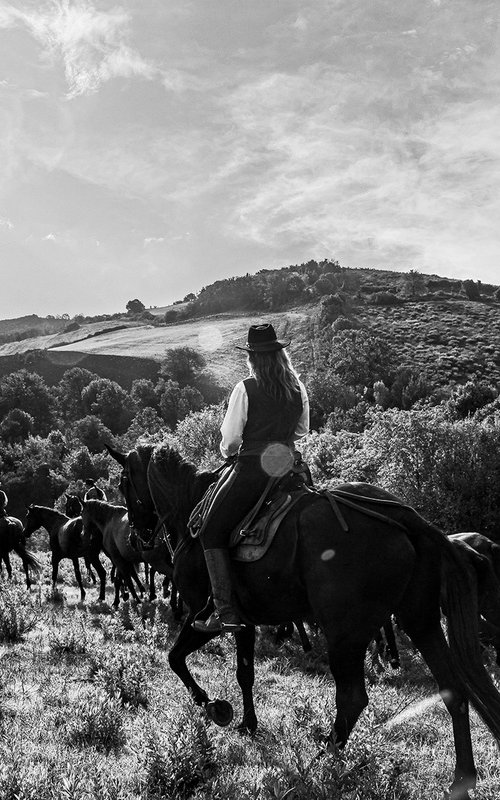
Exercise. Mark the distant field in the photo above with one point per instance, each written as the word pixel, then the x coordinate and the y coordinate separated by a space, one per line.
pixel 215 337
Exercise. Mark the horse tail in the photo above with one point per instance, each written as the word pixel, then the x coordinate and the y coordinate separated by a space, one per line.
pixel 460 598
pixel 28 558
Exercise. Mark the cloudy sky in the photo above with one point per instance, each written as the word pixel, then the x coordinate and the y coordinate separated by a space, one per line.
pixel 150 147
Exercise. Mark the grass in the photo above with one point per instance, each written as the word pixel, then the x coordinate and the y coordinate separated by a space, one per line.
pixel 90 709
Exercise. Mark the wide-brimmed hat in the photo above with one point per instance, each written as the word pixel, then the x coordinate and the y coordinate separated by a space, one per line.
pixel 262 339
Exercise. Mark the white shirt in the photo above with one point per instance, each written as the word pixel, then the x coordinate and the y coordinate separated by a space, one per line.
pixel 237 414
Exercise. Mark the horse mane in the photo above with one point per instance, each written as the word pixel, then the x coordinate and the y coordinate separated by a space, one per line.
pixel 101 511
pixel 170 473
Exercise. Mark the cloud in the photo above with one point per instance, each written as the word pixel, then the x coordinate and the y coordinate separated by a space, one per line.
pixel 92 44
pixel 6 223
pixel 153 240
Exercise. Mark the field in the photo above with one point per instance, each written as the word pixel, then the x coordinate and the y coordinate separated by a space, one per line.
pixel 215 337
pixel 89 709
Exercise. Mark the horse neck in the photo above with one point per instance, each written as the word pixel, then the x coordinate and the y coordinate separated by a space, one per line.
pixel 49 518
pixel 101 512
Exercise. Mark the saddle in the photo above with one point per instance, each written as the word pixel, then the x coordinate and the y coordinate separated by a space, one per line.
pixel 253 536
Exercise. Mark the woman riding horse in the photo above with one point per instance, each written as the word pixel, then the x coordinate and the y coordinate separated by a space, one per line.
pixel 266 414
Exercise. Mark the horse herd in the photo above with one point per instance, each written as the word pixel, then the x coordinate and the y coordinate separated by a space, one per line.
pixel 345 560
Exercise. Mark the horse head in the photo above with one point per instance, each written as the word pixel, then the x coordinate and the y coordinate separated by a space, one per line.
pixel 134 487
pixel 73 507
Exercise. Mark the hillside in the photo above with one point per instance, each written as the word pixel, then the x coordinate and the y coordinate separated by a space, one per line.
pixel 435 327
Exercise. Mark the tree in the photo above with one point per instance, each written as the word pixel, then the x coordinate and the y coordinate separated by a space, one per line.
pixel 413 284
pixel 16 426
pixel 135 306
pixel 69 392
pixel 360 358
pixel 183 365
pixel 471 289
pixel 91 432
pixel 107 400
pixel 144 394
pixel 28 392
pixel 176 402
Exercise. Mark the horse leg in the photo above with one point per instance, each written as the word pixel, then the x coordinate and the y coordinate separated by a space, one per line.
pixel 347 663
pixel 188 641
pixel 78 576
pixel 176 603
pixel 8 565
pixel 245 675
pixel 434 649
pixel 94 560
pixel 392 647
pixel 152 587
pixel 55 569
pixel 27 573
pixel 90 575
pixel 304 638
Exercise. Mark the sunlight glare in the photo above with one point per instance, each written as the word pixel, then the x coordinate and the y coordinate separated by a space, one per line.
pixel 415 709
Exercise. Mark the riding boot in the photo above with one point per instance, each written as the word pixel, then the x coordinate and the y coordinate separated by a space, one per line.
pixel 224 617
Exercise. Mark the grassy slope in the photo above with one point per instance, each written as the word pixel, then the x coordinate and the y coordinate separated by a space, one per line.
pixel 215 336
pixel 58 713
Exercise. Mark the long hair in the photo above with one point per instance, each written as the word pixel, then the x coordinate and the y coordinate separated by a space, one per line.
pixel 274 373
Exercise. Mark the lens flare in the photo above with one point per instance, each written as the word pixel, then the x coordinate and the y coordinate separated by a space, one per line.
pixel 327 555
pixel 210 338
pixel 276 460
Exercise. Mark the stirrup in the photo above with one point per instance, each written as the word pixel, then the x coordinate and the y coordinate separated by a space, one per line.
pixel 215 625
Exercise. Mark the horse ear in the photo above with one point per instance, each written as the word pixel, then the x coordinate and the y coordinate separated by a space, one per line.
pixel 120 457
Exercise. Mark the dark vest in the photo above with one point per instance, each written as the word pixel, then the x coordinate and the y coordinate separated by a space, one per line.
pixel 269 420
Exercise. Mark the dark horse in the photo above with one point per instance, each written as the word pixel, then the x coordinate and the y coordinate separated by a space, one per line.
pixel 348 571
pixel 114 526
pixel 67 539
pixel 488 582
pixel 12 538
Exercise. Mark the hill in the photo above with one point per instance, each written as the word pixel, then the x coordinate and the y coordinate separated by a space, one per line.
pixel 445 329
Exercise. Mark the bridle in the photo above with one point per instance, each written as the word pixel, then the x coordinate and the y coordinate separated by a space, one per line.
pixel 159 528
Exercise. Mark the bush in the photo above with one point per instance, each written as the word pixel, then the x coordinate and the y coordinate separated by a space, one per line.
pixel 122 675
pixel 97 721
pixel 177 765
pixel 18 613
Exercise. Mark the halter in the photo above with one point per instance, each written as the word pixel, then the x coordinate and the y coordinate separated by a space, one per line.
pixel 127 479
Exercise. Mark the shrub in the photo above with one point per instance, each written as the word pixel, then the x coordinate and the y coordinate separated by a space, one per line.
pixel 97 721
pixel 122 675
pixel 176 766
pixel 18 613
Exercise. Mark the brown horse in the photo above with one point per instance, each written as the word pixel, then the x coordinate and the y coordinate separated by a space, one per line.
pixel 12 539
pixel 348 570
pixel 67 539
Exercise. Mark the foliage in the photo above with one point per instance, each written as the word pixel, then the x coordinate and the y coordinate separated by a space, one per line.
pixel 16 426
pixel 135 306
pixel 18 612
pixel 91 432
pixel 468 398
pixel 183 365
pixel 197 437
pixel 176 401
pixel 122 675
pixel 107 400
pixel 69 392
pixel 97 722
pixel 180 762
pixel 28 392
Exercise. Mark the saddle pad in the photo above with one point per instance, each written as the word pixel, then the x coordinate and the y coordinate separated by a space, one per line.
pixel 255 543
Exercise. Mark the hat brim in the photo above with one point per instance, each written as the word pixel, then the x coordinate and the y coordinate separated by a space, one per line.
pixel 266 347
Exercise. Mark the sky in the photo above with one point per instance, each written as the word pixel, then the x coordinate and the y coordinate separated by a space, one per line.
pixel 151 147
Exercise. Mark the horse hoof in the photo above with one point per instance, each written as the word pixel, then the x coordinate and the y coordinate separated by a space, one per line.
pixel 220 712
